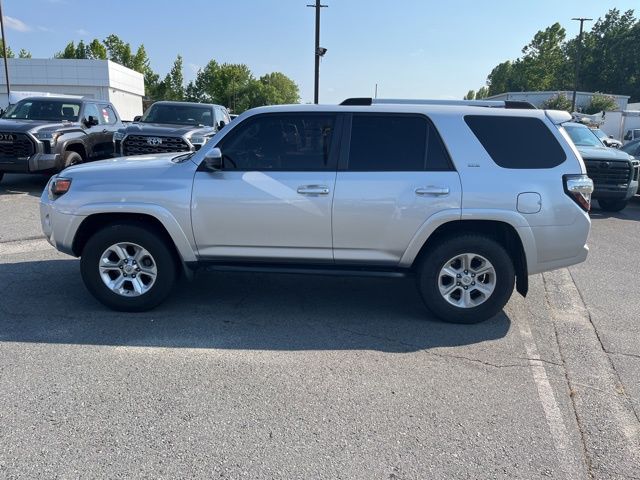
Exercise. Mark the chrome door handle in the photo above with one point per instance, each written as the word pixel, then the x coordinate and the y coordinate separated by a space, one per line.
pixel 313 190
pixel 432 190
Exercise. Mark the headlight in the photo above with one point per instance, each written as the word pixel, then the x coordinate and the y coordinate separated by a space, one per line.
pixel 118 136
pixel 48 136
pixel 198 140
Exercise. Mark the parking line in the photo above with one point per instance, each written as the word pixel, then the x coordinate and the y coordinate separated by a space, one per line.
pixel 559 433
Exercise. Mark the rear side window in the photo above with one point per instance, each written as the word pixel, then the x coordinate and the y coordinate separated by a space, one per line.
pixel 517 142
pixel 387 142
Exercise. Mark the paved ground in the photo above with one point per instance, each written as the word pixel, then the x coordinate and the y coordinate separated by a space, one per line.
pixel 253 376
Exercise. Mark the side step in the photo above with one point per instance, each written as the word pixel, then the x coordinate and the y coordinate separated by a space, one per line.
pixel 288 268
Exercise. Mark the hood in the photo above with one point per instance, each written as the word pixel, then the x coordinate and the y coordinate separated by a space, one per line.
pixel 164 129
pixel 602 153
pixel 142 164
pixel 33 126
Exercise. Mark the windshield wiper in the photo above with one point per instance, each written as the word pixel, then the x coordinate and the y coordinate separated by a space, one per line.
pixel 183 157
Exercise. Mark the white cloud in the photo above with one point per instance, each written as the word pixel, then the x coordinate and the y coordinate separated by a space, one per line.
pixel 15 24
pixel 82 32
pixel 43 29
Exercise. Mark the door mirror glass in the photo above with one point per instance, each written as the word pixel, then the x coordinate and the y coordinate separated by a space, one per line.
pixel 137 118
pixel 213 159
pixel 91 121
pixel 221 124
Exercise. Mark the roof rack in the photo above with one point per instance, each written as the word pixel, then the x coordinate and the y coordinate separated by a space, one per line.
pixel 364 101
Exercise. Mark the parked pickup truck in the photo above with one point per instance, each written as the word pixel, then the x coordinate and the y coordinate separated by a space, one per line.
pixel 614 172
pixel 48 134
pixel 171 127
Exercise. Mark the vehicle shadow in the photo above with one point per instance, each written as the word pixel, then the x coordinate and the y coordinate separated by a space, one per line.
pixel 16 184
pixel 46 302
pixel 630 212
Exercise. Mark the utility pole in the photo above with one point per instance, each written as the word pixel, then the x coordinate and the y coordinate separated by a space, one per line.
pixel 4 48
pixel 319 52
pixel 578 58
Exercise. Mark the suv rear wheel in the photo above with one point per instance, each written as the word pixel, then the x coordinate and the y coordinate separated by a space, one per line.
pixel 612 205
pixel 128 268
pixel 466 279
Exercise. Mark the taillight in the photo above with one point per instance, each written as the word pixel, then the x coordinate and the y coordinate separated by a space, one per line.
pixel 60 186
pixel 579 188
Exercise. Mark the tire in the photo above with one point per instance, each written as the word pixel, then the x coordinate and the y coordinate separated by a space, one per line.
pixel 483 252
pixel 70 158
pixel 612 205
pixel 1 175
pixel 101 262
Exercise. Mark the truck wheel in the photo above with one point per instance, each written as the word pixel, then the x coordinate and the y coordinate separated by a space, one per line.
pixel 128 268
pixel 466 279
pixel 70 158
pixel 1 175
pixel 612 205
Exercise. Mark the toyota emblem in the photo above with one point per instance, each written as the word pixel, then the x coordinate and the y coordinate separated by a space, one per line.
pixel 154 141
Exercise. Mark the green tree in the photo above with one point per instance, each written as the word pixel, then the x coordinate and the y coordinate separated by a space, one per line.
pixel 81 50
pixel 601 103
pixel 68 52
pixel 10 53
pixel 471 95
pixel 500 78
pixel 558 102
pixel 542 60
pixel 24 53
pixel 173 83
pixel 483 93
pixel 276 89
pixel 96 50
pixel 118 51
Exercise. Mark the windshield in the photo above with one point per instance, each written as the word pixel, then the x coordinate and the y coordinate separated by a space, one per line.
pixel 51 110
pixel 178 115
pixel 583 136
pixel 599 133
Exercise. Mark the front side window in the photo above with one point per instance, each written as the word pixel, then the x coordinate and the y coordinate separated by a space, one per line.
pixel 91 110
pixel 293 142
pixel 49 110
pixel 518 142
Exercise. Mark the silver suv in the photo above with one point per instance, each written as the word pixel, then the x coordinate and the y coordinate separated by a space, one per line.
pixel 468 197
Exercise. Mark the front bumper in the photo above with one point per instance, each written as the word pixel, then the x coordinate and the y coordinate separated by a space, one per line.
pixel 59 227
pixel 38 162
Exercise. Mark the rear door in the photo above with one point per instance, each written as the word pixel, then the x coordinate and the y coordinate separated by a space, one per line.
pixel 394 173
pixel 272 199
pixel 109 122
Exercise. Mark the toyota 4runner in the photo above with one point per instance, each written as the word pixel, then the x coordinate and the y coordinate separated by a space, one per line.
pixel 468 198
pixel 48 134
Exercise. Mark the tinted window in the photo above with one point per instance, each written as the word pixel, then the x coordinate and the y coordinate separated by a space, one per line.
pixel 91 110
pixel 280 142
pixel 178 114
pixel 107 115
pixel 517 142
pixel 583 136
pixel 388 143
pixel 632 148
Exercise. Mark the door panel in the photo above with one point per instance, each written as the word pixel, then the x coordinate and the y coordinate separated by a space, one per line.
pixel 261 215
pixel 376 214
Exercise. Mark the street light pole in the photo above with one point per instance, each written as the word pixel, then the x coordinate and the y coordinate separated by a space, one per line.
pixel 4 48
pixel 318 51
pixel 578 58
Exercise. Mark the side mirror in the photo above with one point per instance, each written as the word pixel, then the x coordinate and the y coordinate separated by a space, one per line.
pixel 628 135
pixel 213 160
pixel 610 136
pixel 221 124
pixel 137 118
pixel 91 121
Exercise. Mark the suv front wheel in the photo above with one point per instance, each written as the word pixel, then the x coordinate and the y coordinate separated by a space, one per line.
pixel 466 279
pixel 128 268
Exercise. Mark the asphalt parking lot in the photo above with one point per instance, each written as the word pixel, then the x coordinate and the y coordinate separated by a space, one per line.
pixel 256 376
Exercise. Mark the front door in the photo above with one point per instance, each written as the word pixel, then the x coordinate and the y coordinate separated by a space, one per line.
pixel 272 199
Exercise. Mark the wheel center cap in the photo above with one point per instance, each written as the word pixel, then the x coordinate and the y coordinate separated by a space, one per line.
pixel 466 280
pixel 128 269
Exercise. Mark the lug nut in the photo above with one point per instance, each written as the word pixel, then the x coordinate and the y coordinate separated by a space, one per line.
pixel 137 269
pixel 121 267
pixel 133 276
pixel 124 274
pixel 458 275
pixel 473 274
pixel 466 288
pixel 466 271
pixel 473 283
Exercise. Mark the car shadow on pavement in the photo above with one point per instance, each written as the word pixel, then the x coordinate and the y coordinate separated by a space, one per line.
pixel 46 302
pixel 17 184
pixel 630 212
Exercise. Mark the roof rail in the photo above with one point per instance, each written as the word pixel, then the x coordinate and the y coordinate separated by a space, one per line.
pixel 363 101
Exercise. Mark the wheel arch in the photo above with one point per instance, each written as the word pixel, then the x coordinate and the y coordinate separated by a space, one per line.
pixel 502 232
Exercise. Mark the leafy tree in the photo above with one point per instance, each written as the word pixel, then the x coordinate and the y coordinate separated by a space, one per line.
pixel 277 89
pixel 601 103
pixel 24 53
pixel 96 50
pixel 10 53
pixel 558 102
pixel 118 51
pixel 173 83
pixel 500 78
pixel 471 95
pixel 68 52
pixel 81 50
pixel 483 93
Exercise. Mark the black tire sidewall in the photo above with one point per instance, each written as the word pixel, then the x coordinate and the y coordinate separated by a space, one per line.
pixel 147 238
pixel 68 159
pixel 448 248
pixel 612 205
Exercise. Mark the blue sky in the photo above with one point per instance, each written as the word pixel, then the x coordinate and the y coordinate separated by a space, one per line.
pixel 410 48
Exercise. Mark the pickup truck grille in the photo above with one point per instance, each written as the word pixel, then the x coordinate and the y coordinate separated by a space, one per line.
pixel 608 174
pixel 144 145
pixel 15 145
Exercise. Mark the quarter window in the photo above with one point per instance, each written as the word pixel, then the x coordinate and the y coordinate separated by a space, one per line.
pixel 107 115
pixel 280 142
pixel 395 143
pixel 517 142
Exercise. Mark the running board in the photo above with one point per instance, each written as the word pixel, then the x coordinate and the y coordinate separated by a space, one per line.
pixel 333 270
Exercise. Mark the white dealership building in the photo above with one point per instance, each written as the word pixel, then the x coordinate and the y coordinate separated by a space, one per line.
pixel 99 79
